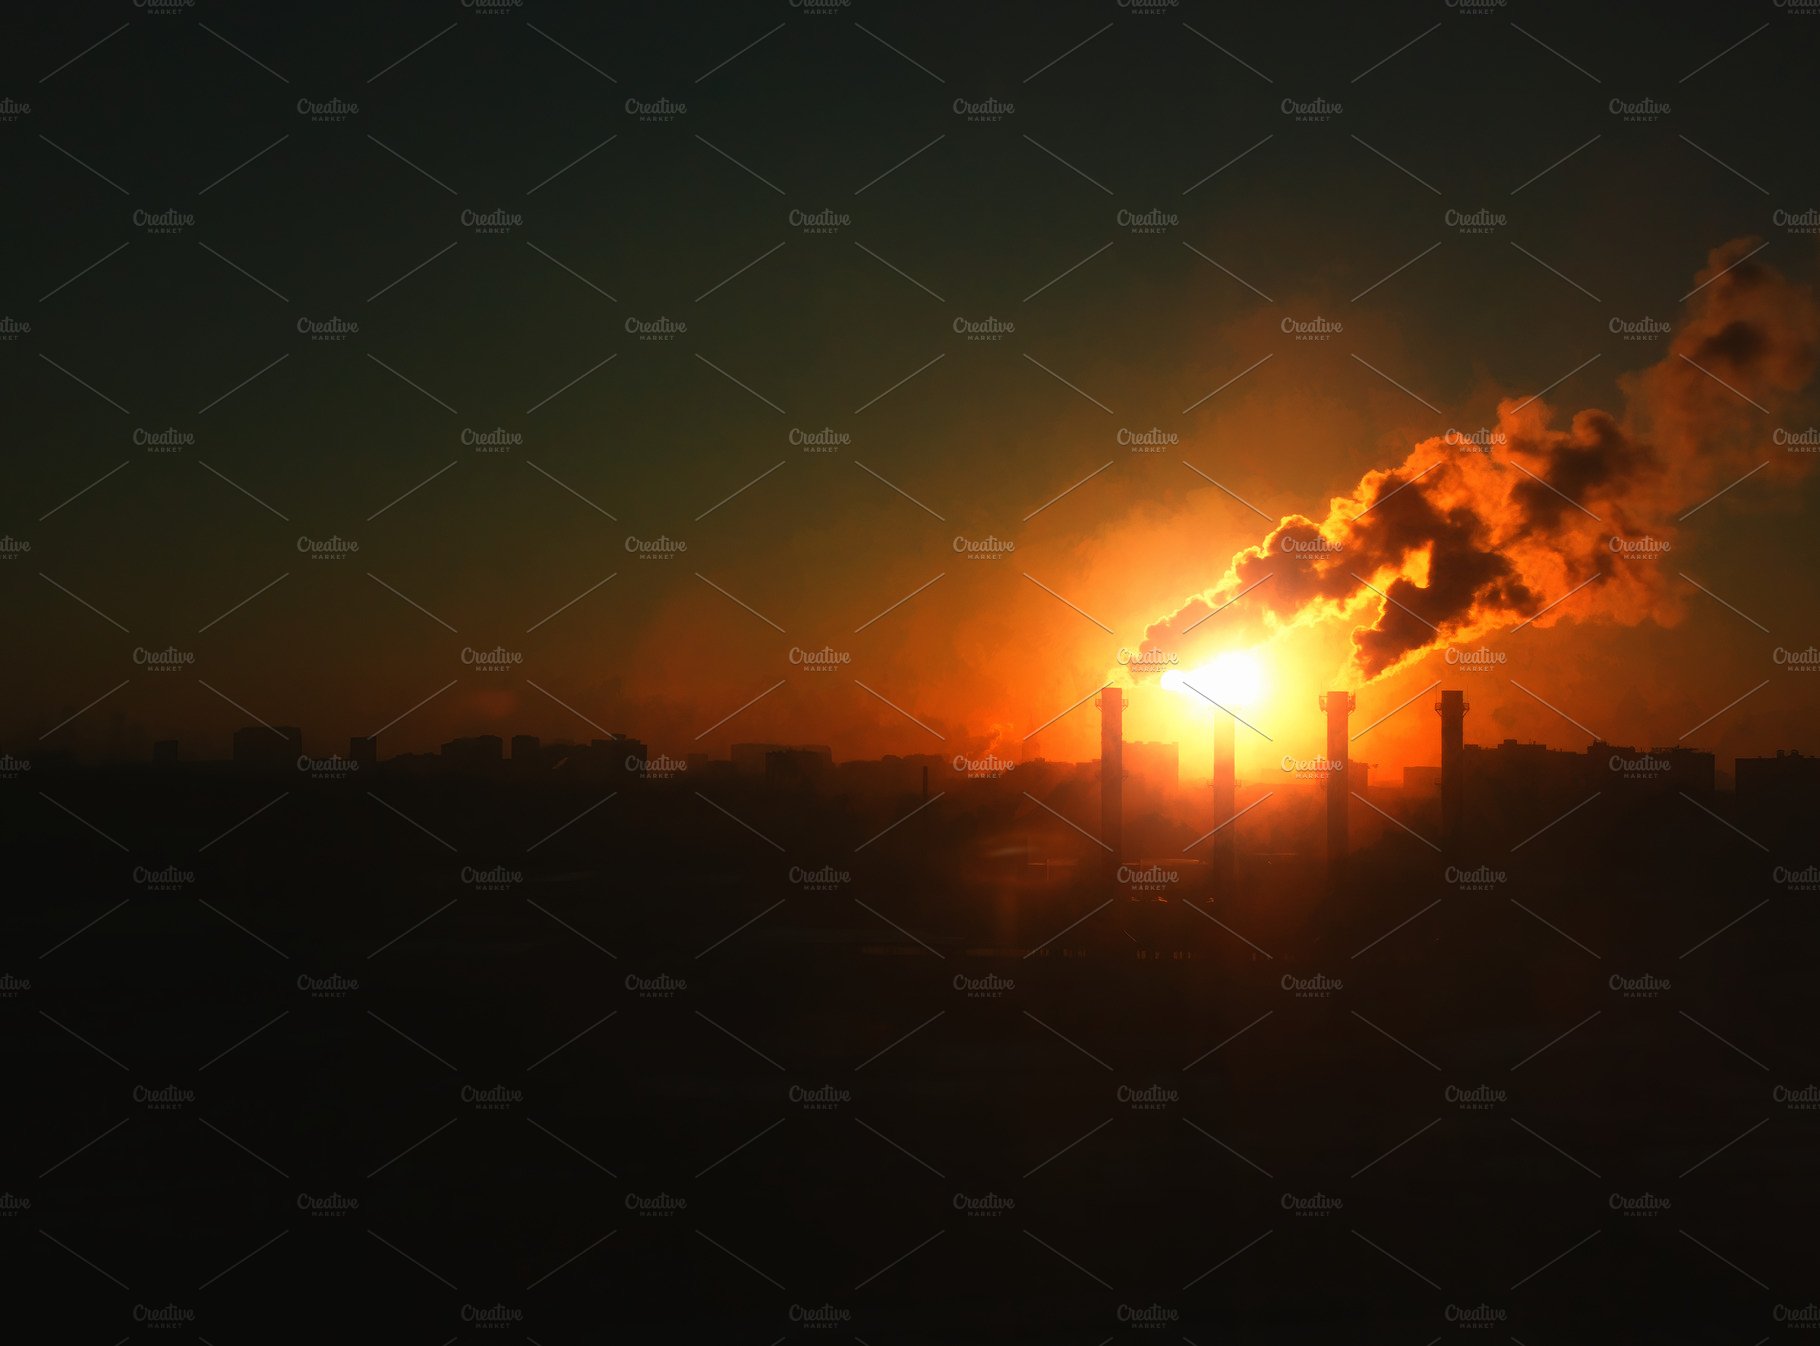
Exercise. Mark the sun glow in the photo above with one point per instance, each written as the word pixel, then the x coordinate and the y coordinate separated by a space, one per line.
pixel 1233 679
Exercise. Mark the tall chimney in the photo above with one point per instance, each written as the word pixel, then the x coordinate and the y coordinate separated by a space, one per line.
pixel 1225 803
pixel 1112 772
pixel 1452 710
pixel 1338 706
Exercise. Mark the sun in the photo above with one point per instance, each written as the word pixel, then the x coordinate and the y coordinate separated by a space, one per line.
pixel 1234 678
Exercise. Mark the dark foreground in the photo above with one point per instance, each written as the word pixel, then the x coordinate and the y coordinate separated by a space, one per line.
pixel 388 1061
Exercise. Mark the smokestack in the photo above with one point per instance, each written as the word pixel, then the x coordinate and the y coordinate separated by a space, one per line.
pixel 1338 706
pixel 1112 772
pixel 1452 710
pixel 1225 803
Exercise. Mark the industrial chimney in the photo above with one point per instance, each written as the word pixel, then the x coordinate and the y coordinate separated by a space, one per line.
pixel 1112 772
pixel 1452 710
pixel 1225 804
pixel 1338 706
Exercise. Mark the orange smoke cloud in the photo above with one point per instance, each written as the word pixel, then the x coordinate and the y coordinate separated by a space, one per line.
pixel 1528 523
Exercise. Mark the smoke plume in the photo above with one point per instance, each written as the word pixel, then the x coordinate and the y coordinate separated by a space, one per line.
pixel 1527 522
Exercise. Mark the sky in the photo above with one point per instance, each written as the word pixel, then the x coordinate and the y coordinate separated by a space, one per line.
pixel 982 252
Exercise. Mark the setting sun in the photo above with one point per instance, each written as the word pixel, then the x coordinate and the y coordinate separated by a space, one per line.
pixel 1233 679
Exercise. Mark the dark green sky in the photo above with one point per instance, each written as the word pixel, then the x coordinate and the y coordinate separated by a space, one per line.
pixel 1475 108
